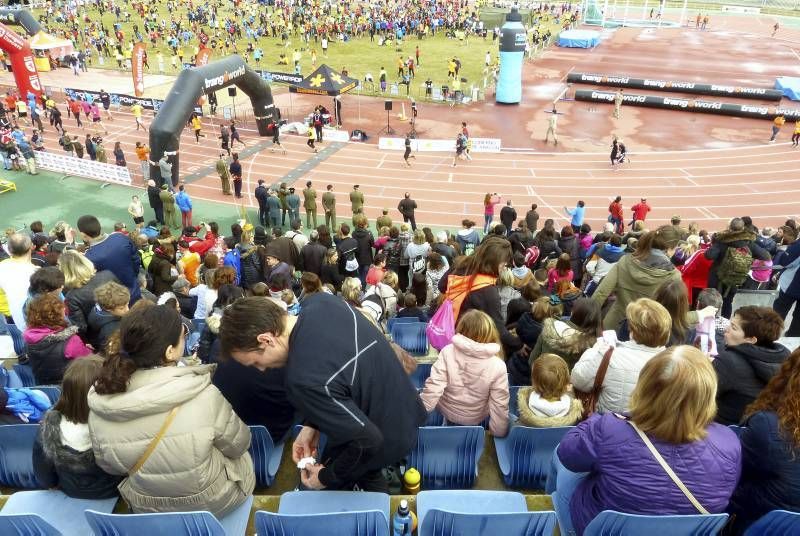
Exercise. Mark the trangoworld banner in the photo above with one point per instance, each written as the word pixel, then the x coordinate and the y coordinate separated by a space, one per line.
pixel 193 83
pixel 692 105
pixel 21 17
pixel 758 93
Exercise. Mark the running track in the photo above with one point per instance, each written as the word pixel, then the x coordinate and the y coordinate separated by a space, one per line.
pixel 708 186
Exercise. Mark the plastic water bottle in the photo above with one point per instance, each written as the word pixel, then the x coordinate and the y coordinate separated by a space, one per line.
pixel 402 523
pixel 512 54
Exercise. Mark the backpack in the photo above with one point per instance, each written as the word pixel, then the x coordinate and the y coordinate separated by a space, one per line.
pixel 733 269
pixel 393 254
pixel 567 291
pixel 531 256
pixel 469 248
pixel 351 262
pixel 418 264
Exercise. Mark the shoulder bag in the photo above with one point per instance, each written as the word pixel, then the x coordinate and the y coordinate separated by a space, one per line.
pixel 590 398
pixel 668 470
pixel 124 486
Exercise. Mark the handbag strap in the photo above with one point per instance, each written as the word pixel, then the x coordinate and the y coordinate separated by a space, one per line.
pixel 600 376
pixel 668 470
pixel 156 440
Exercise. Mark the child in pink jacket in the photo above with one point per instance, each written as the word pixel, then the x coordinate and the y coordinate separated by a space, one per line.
pixel 469 381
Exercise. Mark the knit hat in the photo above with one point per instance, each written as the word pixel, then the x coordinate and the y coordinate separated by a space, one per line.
pixel 260 236
pixel 180 283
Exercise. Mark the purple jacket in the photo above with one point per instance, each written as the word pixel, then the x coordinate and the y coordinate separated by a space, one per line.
pixel 625 477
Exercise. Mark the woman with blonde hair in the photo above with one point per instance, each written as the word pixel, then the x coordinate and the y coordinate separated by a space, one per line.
pixel 469 382
pixel 80 281
pixel 650 326
pixel 638 463
pixel 770 442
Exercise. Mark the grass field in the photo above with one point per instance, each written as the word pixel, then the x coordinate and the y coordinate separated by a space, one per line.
pixel 359 55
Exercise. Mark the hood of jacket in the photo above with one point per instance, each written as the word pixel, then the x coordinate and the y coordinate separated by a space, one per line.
pixel 37 335
pixel 520 271
pixel 152 392
pixel 728 237
pixel 467 234
pixel 99 318
pixel 563 335
pixel 649 273
pixel 528 417
pixel 62 456
pixel 765 360
pixel 474 349
pixel 610 253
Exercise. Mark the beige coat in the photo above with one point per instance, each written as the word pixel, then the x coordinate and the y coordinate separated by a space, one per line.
pixel 202 461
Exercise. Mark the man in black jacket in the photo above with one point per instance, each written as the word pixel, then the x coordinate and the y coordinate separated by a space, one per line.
pixel 154 196
pixel 508 216
pixel 262 195
pixel 341 375
pixel 313 254
pixel 407 206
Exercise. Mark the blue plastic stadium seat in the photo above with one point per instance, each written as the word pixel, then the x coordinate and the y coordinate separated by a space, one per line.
pixel 474 513
pixel 400 320
pixel 524 455
pixel 421 374
pixel 266 456
pixel 51 508
pixel 171 523
pixel 16 451
pixel 25 373
pixel 366 523
pixel 53 392
pixel 326 502
pixel 447 456
pixel 26 525
pixel 620 524
pixel 776 522
pixel 411 337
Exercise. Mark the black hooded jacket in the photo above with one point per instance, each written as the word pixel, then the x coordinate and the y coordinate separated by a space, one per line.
pixel 74 472
pixel 344 378
pixel 742 372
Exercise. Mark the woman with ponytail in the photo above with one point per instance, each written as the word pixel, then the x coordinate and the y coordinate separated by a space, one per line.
pixel 166 427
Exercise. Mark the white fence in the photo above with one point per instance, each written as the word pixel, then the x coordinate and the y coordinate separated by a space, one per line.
pixel 64 163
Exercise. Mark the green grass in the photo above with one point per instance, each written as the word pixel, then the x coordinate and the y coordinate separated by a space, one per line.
pixel 358 55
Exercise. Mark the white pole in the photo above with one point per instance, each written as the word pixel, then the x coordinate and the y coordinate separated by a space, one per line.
pixel 605 10
pixel 614 10
pixel 644 10
pixel 625 16
pixel 683 12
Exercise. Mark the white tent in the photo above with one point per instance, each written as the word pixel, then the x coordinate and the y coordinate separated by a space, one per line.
pixel 57 47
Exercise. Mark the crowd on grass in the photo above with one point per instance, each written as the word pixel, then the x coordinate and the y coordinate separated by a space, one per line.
pixel 631 338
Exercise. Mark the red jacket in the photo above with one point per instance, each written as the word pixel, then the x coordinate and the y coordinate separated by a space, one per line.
pixel 694 271
pixel 616 211
pixel 640 211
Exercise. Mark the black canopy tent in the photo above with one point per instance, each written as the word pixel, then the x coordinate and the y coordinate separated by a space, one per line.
pixel 324 81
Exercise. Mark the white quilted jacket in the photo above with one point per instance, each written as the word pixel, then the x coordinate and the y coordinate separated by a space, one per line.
pixel 627 361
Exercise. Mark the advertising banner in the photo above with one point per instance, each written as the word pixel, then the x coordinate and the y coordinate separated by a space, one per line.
pixel 137 68
pixel 718 90
pixel 64 163
pixel 119 99
pixel 692 105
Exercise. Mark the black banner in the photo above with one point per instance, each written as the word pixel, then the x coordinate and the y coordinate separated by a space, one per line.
pixel 719 90
pixel 692 105
pixel 118 99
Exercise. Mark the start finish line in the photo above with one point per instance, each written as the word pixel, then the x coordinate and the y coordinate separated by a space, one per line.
pixel 478 145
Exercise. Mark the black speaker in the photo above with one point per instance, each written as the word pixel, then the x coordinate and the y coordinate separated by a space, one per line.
pixel 232 91
pixel 387 105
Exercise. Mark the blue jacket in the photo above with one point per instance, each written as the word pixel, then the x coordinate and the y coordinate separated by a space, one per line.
pixel 183 201
pixel 770 473
pixel 577 215
pixel 790 284
pixel 117 253
pixel 27 405
pixel 234 259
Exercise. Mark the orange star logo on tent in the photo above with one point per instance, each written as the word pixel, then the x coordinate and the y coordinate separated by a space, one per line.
pixel 316 81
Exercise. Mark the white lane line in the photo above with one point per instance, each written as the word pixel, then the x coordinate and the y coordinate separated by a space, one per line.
pixel 450 177
pixel 382 161
pixel 533 173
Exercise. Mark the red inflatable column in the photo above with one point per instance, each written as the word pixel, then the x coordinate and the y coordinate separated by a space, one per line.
pixel 19 51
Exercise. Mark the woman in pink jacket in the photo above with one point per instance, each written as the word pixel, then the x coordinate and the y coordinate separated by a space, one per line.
pixel 469 381
pixel 489 202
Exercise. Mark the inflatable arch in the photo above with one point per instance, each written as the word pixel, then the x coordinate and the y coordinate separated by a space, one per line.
pixel 19 50
pixel 193 83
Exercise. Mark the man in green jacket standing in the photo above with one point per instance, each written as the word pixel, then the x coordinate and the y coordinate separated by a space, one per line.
pixel 168 201
pixel 310 204
pixel 329 206
pixel 282 193
pixel 357 200
pixel 222 171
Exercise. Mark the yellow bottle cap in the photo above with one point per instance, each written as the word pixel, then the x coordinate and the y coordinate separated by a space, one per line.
pixel 412 477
